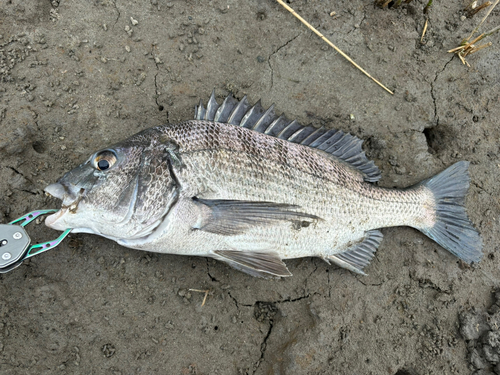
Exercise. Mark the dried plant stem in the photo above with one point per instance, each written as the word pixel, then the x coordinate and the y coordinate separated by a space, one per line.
pixel 201 291
pixel 472 12
pixel 480 48
pixel 424 31
pixel 427 7
pixel 332 45
pixel 468 45
pixel 467 48
pixel 482 21
pixel 494 30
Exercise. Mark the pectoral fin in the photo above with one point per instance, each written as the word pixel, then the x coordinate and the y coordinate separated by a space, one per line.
pixel 258 264
pixel 231 217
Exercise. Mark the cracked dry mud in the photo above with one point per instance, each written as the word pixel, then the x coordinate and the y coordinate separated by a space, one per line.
pixel 76 76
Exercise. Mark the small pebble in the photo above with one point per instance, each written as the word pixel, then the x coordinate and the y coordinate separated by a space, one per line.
pixel 134 22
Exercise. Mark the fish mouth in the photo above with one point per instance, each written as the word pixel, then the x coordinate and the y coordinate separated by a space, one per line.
pixel 56 190
pixel 70 202
pixel 51 220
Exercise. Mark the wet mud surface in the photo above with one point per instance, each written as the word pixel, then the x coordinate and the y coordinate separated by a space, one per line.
pixel 77 76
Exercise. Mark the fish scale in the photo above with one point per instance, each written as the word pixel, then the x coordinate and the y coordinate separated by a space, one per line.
pixel 315 195
pixel 250 188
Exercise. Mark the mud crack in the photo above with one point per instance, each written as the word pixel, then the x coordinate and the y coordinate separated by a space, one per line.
pixel 157 91
pixel 329 286
pixel 235 301
pixel 433 93
pixel 15 171
pixel 297 299
pixel 20 182
pixel 275 52
pixel 117 11
pixel 156 88
pixel 368 284
pixel 480 187
pixel 358 25
pixel 286 300
pixel 428 283
pixel 263 347
pixel 211 277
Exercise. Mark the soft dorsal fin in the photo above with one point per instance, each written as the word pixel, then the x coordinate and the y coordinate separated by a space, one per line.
pixel 335 142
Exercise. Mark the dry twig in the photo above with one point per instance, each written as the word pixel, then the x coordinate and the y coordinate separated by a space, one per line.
pixel 482 21
pixel 466 47
pixel 472 10
pixel 331 44
pixel 201 291
pixel 425 29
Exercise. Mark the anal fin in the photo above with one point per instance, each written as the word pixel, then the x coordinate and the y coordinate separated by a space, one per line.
pixel 360 255
pixel 258 264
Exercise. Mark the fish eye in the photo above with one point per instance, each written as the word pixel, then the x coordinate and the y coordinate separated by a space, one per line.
pixel 103 164
pixel 104 160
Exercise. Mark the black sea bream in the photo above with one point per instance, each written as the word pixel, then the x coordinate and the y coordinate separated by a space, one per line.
pixel 246 187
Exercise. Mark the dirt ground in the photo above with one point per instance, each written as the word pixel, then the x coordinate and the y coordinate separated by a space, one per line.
pixel 76 76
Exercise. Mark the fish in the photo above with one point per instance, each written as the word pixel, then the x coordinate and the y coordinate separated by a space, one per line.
pixel 247 187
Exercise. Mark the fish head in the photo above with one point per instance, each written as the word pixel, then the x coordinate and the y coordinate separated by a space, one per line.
pixel 120 192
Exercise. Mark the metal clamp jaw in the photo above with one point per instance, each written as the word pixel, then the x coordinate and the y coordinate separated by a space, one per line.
pixel 15 243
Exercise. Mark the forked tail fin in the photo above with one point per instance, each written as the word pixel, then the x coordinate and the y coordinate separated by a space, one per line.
pixel 453 229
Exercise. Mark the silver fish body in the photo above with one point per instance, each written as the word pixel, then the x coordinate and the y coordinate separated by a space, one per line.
pixel 246 187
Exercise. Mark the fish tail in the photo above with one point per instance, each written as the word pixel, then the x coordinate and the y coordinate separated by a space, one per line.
pixel 452 228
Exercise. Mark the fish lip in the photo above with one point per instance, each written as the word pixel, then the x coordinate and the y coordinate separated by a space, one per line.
pixel 56 190
pixel 68 196
pixel 70 202
pixel 51 220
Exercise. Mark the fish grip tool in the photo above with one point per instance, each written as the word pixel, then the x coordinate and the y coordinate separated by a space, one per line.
pixel 15 243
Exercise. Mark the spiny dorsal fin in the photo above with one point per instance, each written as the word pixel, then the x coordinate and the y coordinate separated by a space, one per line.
pixel 335 142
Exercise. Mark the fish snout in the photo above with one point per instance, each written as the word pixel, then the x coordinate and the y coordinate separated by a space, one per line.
pixel 55 190
pixel 68 193
pixel 71 196
pixel 55 221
